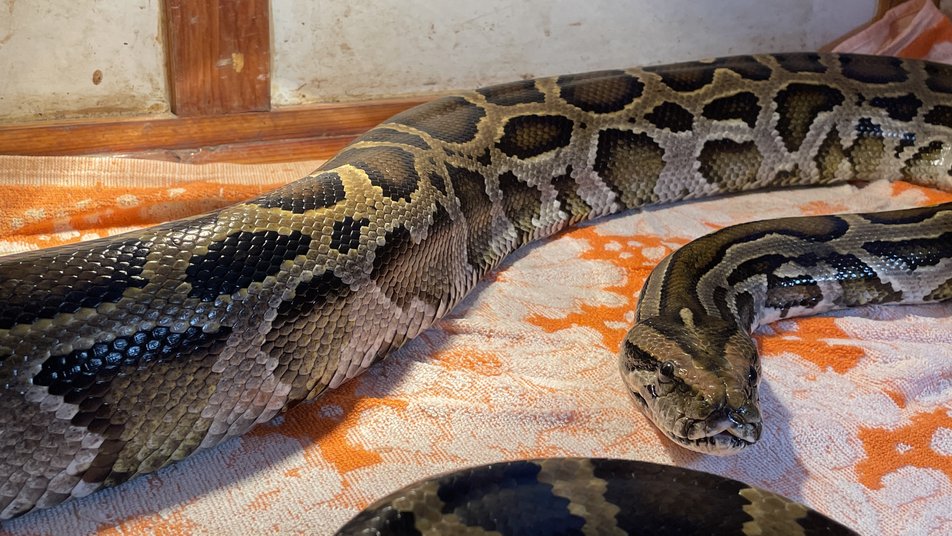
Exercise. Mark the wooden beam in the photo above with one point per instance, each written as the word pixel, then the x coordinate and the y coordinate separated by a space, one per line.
pixel 333 122
pixel 219 56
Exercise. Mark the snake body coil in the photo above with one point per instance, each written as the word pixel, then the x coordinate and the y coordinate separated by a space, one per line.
pixel 560 496
pixel 125 354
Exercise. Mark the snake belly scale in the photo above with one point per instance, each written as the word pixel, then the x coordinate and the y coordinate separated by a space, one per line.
pixel 122 355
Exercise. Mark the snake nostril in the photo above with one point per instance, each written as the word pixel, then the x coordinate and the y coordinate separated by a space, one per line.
pixel 737 416
pixel 746 414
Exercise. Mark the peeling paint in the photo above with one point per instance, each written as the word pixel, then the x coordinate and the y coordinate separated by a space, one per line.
pixel 237 61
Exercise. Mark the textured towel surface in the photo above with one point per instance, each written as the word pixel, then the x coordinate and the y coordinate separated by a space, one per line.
pixel 857 404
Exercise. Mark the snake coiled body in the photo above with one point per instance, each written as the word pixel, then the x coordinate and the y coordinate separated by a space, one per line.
pixel 122 355
pixel 561 496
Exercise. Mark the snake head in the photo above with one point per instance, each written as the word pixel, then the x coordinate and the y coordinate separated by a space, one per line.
pixel 695 376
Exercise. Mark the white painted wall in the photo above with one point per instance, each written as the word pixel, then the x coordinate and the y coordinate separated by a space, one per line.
pixel 349 50
pixel 336 50
pixel 50 50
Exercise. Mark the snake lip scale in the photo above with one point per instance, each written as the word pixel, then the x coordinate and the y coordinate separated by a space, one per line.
pixel 725 437
pixel 125 354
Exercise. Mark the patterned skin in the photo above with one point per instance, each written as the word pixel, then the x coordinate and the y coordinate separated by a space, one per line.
pixel 690 362
pixel 122 355
pixel 585 496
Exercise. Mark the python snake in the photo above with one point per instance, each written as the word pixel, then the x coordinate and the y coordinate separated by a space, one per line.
pixel 563 496
pixel 122 355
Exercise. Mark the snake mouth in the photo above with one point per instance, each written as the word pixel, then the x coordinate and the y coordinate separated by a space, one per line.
pixel 723 437
pixel 721 443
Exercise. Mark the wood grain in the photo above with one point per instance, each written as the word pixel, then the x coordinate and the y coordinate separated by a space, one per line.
pixel 219 56
pixel 329 122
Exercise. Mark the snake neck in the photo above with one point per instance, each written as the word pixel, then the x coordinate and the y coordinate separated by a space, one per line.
pixel 689 361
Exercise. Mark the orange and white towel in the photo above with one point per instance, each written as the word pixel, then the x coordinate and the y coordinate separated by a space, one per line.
pixel 857 404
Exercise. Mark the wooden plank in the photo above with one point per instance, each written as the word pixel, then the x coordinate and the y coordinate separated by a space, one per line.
pixel 249 153
pixel 111 136
pixel 219 56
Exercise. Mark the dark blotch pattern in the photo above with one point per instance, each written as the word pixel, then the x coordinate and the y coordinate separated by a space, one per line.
pixel 437 181
pixel 512 93
pixel 477 499
pixel 744 106
pixel 859 282
pixel 241 259
pixel 449 119
pixel 748 67
pixel 346 235
pixel 470 188
pixel 300 339
pixel 672 517
pixel 684 77
pixel 939 77
pixel 798 106
pixel 869 148
pixel 942 292
pixel 744 303
pixel 873 69
pixel 392 169
pixel 526 136
pixel 906 216
pixel 532 497
pixel 66 374
pixel 801 63
pixel 730 163
pixel 630 164
pixel 308 295
pixel 600 92
pixel 320 191
pixel 694 75
pixel 830 156
pixel 568 197
pixel 42 284
pixel 408 271
pixel 783 293
pixel 902 108
pixel 670 116
pixel 388 135
pixel 926 161
pixel 704 254
pixel 912 253
pixel 941 115
pixel 521 203
pixel 307 328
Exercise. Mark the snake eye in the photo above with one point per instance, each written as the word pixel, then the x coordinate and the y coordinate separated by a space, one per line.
pixel 667 370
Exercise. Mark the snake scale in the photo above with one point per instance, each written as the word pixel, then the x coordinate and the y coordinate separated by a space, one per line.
pixel 122 355
pixel 585 496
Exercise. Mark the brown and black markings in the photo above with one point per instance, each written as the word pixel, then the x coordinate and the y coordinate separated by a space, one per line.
pixel 246 311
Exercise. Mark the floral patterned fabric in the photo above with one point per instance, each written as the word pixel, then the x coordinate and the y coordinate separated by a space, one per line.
pixel 856 403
